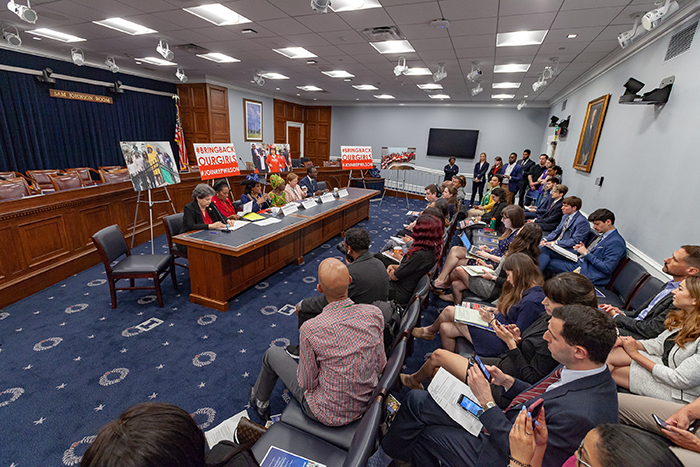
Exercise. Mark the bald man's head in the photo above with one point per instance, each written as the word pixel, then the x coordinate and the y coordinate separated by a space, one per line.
pixel 333 279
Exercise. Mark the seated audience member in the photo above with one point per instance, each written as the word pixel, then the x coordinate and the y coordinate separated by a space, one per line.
pixel 223 202
pixel 486 202
pixel 341 355
pixel 599 259
pixel 572 230
pixel 604 446
pixel 431 193
pixel 498 196
pixel 253 192
pixel 369 279
pixel 551 218
pixel 488 286
pixel 457 183
pixel 309 182
pixel 543 203
pixel 578 396
pixel 668 366
pixel 479 177
pixel 200 213
pixel 449 194
pixel 148 434
pixel 512 175
pixel 420 258
pixel 439 210
pixel 648 321
pixel 293 191
pixel 278 196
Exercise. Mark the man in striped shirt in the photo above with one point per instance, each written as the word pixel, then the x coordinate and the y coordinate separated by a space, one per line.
pixel 341 356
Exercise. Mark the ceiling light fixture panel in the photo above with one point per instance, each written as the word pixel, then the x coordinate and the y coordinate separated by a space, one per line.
pixel 365 87
pixel 55 35
pixel 273 76
pixel 520 38
pixel 156 61
pixel 502 96
pixel 338 74
pixel 384 96
pixel 511 68
pixel 310 88
pixel 218 57
pixel 127 27
pixel 352 5
pixel 505 85
pixel 439 96
pixel 429 86
pixel 217 14
pixel 393 47
pixel 418 72
pixel 295 52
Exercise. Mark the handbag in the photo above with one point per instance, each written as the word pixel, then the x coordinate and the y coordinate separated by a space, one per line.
pixel 248 433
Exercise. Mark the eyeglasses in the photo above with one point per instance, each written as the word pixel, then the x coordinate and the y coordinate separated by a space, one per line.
pixel 578 456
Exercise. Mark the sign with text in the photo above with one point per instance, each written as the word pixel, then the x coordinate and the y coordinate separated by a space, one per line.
pixel 216 160
pixel 79 96
pixel 356 157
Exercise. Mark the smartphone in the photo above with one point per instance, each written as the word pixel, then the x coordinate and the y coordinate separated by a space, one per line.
pixel 535 408
pixel 661 423
pixel 469 405
pixel 482 367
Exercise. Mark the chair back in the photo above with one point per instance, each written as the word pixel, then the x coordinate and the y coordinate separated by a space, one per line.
pixel 109 168
pixel 393 367
pixel 14 188
pixel 85 174
pixel 8 175
pixel 308 164
pixel 592 234
pixel 110 244
pixel 296 163
pixel 322 186
pixel 118 175
pixel 410 318
pixel 628 280
pixel 422 288
pixel 238 206
pixel 172 225
pixel 646 291
pixel 66 182
pixel 42 178
pixel 365 439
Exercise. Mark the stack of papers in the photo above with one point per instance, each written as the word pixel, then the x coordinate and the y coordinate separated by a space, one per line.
pixel 470 315
pixel 268 221
pixel 389 255
pixel 446 390
pixel 563 252
pixel 478 270
pixel 253 216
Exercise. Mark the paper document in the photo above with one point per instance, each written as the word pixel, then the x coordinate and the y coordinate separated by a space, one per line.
pixel 224 430
pixel 445 389
pixel 389 255
pixel 565 253
pixel 478 270
pixel 248 207
pixel 277 457
pixel 253 216
pixel 268 221
pixel 413 213
pixel 469 314
pixel 398 240
pixel 237 225
pixel 599 294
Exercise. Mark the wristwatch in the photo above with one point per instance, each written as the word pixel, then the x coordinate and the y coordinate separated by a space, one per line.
pixel 489 405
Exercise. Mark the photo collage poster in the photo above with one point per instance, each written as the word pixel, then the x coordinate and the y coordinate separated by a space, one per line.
pixel 151 164
pixel 397 155
pixel 271 158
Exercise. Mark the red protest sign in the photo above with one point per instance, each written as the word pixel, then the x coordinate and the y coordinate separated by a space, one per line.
pixel 356 157
pixel 216 160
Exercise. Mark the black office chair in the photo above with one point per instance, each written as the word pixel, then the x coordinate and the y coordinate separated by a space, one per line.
pixel 110 244
pixel 646 291
pixel 296 163
pixel 322 186
pixel 620 292
pixel 172 225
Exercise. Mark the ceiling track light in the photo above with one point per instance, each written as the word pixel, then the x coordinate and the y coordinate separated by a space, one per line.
pixel 401 68
pixel 626 38
pixel 655 16
pixel 78 56
pixel 111 64
pixel 476 90
pixel 440 74
pixel 164 49
pixel 521 105
pixel 12 38
pixel 24 12
pixel 549 72
pixel 180 74
pixel 475 73
pixel 320 6
pixel 258 79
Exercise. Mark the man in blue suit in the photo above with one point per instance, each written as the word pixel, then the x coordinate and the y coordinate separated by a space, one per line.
pixel 513 174
pixel 578 396
pixel 572 230
pixel 551 218
pixel 599 260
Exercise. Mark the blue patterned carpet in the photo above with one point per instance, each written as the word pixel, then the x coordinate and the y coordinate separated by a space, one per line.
pixel 69 363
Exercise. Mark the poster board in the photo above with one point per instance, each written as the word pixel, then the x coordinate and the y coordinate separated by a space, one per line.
pixel 356 157
pixel 270 158
pixel 151 164
pixel 397 155
pixel 216 160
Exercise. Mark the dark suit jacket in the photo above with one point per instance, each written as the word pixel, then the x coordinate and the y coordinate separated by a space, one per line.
pixel 576 231
pixel 653 323
pixel 310 184
pixel 193 219
pixel 571 411
pixel 527 166
pixel 599 263
pixel 495 213
pixel 516 177
pixel 550 219
pixel 480 172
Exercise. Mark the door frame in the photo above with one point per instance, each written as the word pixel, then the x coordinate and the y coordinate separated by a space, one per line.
pixel 301 135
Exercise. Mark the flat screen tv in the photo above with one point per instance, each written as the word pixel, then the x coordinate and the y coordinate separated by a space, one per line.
pixel 452 143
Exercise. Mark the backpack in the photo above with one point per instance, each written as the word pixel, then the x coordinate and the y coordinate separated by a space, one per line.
pixel 393 314
pixel 230 454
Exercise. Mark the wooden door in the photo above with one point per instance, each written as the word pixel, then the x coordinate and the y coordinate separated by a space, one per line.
pixel 294 141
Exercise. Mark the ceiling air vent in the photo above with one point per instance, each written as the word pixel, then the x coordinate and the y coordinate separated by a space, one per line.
pixel 383 33
pixel 680 42
pixel 192 48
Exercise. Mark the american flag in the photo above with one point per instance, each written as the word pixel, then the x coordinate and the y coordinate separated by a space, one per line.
pixel 180 139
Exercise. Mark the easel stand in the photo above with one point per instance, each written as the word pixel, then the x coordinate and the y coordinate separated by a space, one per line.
pixel 364 185
pixel 150 213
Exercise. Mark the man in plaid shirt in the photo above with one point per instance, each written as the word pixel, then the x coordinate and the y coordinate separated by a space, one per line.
pixel 341 356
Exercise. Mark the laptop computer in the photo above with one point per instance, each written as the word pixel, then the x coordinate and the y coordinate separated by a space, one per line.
pixel 471 249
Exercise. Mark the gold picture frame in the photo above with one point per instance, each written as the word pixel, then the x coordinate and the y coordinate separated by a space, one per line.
pixel 253 120
pixel 590 133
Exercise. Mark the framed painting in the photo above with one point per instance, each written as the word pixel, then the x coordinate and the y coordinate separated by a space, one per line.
pixel 590 133
pixel 253 118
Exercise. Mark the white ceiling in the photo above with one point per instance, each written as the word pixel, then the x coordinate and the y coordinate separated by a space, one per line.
pixel 336 39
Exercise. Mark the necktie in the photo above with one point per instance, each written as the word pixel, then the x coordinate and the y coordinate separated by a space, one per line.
pixel 566 225
pixel 594 243
pixel 536 391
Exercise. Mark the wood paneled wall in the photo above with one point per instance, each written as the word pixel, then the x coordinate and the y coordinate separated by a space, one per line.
pixel 204 115
pixel 317 128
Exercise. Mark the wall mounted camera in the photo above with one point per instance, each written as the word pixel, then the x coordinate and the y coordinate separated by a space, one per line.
pixel 658 96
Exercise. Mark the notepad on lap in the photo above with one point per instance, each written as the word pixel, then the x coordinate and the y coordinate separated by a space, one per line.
pixel 478 270
pixel 390 256
pixel 563 252
pixel 470 315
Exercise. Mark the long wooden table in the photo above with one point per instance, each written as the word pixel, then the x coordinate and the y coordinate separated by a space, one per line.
pixel 224 264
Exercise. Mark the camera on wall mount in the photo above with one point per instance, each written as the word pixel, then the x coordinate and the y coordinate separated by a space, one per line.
pixel 658 96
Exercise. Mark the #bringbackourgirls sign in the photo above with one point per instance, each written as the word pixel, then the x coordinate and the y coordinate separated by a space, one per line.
pixel 356 157
pixel 216 160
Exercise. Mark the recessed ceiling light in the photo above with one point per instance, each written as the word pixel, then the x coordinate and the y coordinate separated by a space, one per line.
pixel 511 68
pixel 311 62
pixel 418 72
pixel 273 76
pixel 514 39
pixel 218 58
pixel 350 5
pixel 392 47
pixel 505 85
pixel 365 87
pixel 309 88
pixel 384 96
pixel 502 96
pixel 249 31
pixel 155 61
pixel 127 27
pixel 55 35
pixel 218 14
pixel 439 96
pixel 295 52
pixel 338 74
pixel 277 89
pixel 429 86
pixel 571 36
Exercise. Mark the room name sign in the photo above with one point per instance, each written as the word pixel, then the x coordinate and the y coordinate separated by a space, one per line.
pixel 79 96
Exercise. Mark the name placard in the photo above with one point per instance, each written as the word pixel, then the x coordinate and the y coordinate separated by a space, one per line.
pixel 343 193
pixel 79 96
pixel 287 209
pixel 308 204
pixel 327 198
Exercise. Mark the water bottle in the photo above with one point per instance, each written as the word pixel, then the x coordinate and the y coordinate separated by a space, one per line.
pixel 493 224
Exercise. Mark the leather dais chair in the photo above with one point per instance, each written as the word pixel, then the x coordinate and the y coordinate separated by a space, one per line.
pixel 173 225
pixel 111 245
pixel 66 181
pixel 14 188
